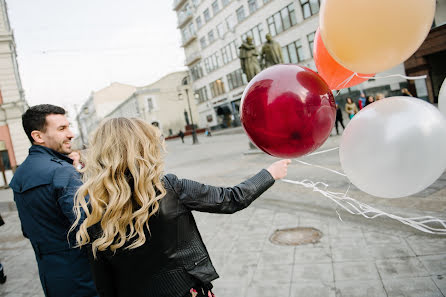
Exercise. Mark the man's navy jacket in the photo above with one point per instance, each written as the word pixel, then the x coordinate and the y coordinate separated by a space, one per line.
pixel 44 186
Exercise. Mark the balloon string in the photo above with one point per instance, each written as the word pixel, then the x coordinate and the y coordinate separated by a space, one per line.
pixel 355 207
pixel 358 208
pixel 392 75
pixel 349 79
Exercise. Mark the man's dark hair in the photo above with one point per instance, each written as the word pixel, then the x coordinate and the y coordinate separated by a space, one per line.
pixel 35 118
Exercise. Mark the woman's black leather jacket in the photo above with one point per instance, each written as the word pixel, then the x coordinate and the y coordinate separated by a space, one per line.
pixel 174 257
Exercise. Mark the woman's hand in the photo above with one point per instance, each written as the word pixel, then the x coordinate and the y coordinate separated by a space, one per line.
pixel 278 169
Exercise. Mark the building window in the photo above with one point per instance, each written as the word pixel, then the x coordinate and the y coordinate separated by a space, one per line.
pixel 309 7
pixel 202 94
pixel 217 87
pixel 215 7
pixel 150 105
pixel 221 30
pixel 310 38
pixel 211 36
pixel 225 2
pixel 207 15
pixel 252 5
pixel 293 52
pixel 282 20
pixel 229 52
pixel 197 71
pixel 195 2
pixel 231 22
pixel 212 63
pixel 256 33
pixel 266 1
pixel 236 79
pixel 203 42
pixel 199 22
pixel 240 14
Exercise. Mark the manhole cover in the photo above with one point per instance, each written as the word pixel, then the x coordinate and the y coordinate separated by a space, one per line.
pixel 296 236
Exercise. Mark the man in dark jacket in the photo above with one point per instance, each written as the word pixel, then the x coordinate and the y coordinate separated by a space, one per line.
pixel 44 186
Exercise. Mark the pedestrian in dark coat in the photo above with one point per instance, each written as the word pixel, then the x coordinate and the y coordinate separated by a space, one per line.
pixel 339 118
pixel 44 186
pixel 139 229
pixel 181 135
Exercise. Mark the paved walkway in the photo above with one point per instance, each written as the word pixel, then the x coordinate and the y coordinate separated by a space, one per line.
pixel 355 257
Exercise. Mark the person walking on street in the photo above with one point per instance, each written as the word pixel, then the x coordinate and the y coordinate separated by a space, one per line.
pixel 370 100
pixel 181 135
pixel 139 230
pixel 361 101
pixel 44 186
pixel 350 108
pixel 339 119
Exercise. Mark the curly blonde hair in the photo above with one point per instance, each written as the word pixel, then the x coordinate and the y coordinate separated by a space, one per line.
pixel 123 179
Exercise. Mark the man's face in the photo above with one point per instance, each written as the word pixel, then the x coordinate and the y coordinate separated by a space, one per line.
pixel 57 135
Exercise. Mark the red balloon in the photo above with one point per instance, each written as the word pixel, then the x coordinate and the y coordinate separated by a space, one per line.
pixel 336 75
pixel 288 111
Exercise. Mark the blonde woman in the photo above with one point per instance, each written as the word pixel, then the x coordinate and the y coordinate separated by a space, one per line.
pixel 350 108
pixel 137 224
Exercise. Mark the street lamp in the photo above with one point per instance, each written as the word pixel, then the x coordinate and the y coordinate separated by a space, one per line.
pixel 194 133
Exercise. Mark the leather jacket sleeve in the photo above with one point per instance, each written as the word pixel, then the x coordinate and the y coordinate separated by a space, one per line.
pixel 205 198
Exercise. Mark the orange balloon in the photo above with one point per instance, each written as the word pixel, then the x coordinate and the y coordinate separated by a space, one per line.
pixel 335 75
pixel 370 36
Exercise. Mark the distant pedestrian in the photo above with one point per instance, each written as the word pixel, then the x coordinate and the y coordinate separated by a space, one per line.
pixel 350 108
pixel 361 101
pixel 208 132
pixel 379 96
pixel 181 135
pixel 370 100
pixel 405 92
pixel 139 228
pixel 339 118
pixel 44 187
pixel 2 271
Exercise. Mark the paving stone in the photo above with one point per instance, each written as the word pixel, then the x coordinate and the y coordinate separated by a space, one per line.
pixel 391 250
pixel 436 264
pixel 350 253
pixel 277 255
pixel 427 245
pixel 412 287
pixel 355 271
pixel 401 268
pixel 313 289
pixel 313 272
pixel 275 273
pixel 312 255
pixel 267 289
pixel 440 281
pixel 381 238
pixel 370 288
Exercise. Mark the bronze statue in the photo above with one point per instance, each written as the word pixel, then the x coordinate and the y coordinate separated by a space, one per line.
pixel 271 53
pixel 249 58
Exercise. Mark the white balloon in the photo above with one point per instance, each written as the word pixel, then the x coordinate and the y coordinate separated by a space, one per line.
pixel 394 147
pixel 442 98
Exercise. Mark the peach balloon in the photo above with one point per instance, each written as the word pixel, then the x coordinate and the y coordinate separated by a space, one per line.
pixel 335 75
pixel 370 36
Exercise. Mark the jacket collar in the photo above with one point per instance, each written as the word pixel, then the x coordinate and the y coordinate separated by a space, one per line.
pixel 40 149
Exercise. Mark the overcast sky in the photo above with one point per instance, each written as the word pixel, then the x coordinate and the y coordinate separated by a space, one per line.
pixel 66 49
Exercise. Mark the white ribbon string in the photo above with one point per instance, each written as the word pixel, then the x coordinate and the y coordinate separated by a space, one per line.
pixel 423 223
pixel 348 79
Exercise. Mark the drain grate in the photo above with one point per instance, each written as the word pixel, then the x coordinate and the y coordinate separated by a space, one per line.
pixel 296 236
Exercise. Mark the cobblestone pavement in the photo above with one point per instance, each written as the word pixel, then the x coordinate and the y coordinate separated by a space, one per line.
pixel 355 256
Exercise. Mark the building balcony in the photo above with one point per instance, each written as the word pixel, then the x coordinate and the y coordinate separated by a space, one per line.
pixel 178 3
pixel 191 59
pixel 189 40
pixel 184 19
